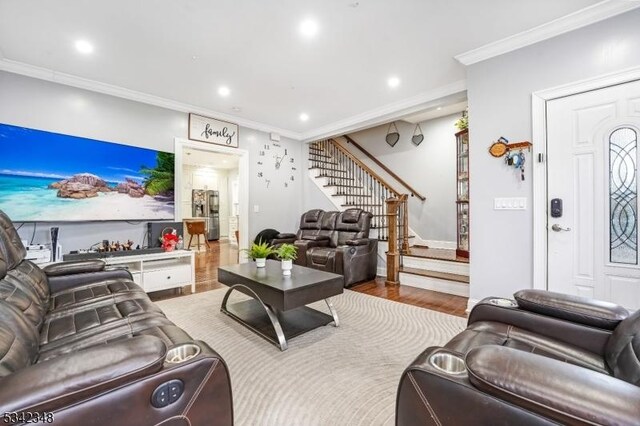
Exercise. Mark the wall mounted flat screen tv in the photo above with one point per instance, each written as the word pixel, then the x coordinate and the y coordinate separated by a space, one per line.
pixel 51 177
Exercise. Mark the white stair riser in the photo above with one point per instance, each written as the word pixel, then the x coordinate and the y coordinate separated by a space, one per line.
pixel 435 284
pixel 449 267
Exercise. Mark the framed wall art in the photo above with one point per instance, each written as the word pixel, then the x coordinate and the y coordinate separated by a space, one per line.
pixel 206 129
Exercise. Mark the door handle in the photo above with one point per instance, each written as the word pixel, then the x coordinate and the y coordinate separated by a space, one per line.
pixel 557 228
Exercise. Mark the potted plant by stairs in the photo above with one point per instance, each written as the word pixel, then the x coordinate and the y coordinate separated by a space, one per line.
pixel 259 252
pixel 287 253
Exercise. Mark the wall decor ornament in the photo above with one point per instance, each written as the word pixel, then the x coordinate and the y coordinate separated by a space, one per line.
pixel 206 129
pixel 392 137
pixel 417 137
pixel 514 153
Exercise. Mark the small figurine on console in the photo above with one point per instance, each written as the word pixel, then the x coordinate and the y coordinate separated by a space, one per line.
pixel 170 240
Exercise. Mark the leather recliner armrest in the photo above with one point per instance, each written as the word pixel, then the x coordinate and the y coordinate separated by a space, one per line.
pixel 358 242
pixel 67 379
pixel 74 267
pixel 554 389
pixel 283 239
pixel 285 236
pixel 316 238
pixel 595 313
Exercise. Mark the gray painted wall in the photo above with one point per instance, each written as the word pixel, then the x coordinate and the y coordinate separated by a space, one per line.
pixel 63 109
pixel 499 92
pixel 429 167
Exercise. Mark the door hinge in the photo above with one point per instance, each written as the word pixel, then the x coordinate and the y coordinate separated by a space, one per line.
pixel 540 157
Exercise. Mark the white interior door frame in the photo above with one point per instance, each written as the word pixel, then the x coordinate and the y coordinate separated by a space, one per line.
pixel 243 182
pixel 539 139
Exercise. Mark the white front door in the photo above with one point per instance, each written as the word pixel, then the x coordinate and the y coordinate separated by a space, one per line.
pixel 592 163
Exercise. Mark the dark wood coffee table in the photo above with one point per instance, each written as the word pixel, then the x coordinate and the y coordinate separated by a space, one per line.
pixel 277 309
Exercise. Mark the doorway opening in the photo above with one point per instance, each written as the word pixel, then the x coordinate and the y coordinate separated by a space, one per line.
pixel 212 192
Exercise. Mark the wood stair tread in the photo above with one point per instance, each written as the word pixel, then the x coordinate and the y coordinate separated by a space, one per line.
pixel 325 162
pixel 341 186
pixel 444 255
pixel 435 274
pixel 328 170
pixel 335 177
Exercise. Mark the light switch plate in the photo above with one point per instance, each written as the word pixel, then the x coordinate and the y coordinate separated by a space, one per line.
pixel 256 208
pixel 514 203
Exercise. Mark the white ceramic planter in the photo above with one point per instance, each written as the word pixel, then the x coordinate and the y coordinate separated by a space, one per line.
pixel 261 263
pixel 287 266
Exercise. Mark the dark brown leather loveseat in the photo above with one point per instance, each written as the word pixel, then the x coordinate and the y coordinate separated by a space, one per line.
pixel 336 242
pixel 544 358
pixel 83 345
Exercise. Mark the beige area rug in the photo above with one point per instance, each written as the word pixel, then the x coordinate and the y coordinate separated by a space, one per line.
pixel 329 376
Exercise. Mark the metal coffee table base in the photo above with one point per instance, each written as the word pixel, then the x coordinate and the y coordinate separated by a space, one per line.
pixel 273 325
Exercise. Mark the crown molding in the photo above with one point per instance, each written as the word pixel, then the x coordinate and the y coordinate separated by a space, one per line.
pixel 367 119
pixel 121 92
pixel 581 18
pixel 388 112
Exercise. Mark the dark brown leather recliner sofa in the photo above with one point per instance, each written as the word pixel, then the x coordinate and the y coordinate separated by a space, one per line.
pixel 84 345
pixel 544 358
pixel 336 242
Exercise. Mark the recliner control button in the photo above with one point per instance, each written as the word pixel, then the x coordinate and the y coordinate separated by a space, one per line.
pixel 167 393
pixel 175 387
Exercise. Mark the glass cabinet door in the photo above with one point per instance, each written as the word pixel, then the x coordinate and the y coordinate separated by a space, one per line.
pixel 462 187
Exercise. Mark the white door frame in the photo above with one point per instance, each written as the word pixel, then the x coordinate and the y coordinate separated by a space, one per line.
pixel 539 134
pixel 243 183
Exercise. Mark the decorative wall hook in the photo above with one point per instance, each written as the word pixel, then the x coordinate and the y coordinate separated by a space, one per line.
pixel 417 137
pixel 515 152
pixel 392 138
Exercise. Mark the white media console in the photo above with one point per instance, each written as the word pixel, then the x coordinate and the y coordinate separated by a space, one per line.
pixel 160 271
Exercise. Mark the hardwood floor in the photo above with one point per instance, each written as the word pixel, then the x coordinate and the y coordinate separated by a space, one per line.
pixel 222 253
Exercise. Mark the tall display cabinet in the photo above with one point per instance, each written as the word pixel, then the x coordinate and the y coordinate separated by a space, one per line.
pixel 462 198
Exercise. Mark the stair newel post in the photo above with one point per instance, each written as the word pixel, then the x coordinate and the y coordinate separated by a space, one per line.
pixel 405 224
pixel 393 255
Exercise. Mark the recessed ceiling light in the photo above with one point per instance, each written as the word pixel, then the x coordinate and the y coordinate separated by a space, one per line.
pixel 83 46
pixel 223 91
pixel 393 82
pixel 309 28
pixel 304 116
pixel 439 108
pixel 224 161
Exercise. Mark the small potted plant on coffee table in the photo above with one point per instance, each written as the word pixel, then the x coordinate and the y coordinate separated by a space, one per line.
pixel 287 253
pixel 259 252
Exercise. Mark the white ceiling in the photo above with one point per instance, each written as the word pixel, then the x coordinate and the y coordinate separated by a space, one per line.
pixel 255 48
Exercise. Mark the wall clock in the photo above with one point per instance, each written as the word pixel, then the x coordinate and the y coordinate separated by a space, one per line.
pixel 276 166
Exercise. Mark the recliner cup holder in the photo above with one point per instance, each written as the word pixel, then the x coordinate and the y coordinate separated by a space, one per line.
pixel 499 301
pixel 182 353
pixel 448 363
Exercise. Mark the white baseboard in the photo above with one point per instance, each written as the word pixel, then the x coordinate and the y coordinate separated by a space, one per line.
pixel 470 304
pixel 382 271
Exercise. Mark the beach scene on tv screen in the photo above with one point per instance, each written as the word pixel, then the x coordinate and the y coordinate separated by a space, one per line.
pixel 53 177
